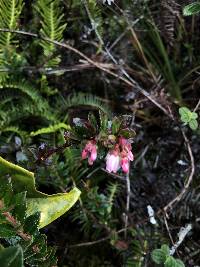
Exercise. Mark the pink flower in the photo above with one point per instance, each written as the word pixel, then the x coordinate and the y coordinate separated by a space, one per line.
pixel 90 152
pixel 126 154
pixel 112 162
pixel 125 165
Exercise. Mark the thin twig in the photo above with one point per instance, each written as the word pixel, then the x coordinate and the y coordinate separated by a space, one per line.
pixel 128 192
pixel 128 80
pixel 85 244
pixel 188 182
pixel 167 227
pixel 197 106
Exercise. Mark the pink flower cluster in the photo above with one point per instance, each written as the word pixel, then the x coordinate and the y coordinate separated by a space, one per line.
pixel 119 157
pixel 90 152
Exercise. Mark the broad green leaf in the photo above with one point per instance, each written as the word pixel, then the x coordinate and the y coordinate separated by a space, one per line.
pixel 191 9
pixel 165 249
pixel 194 115
pixel 51 129
pixel 179 263
pixel 22 179
pixel 185 114
pixel 184 110
pixel 52 207
pixel 170 262
pixel 193 124
pixel 158 256
pixel 11 257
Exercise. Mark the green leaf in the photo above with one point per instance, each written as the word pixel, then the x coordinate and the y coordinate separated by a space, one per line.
pixel 191 9
pixel 19 202
pixel 116 123
pixel 179 263
pixel 194 115
pixel 11 257
pixel 127 133
pixel 92 120
pixel 158 256
pixel 49 207
pixel 103 121
pixel 52 207
pixel 31 224
pixel 170 262
pixel 22 179
pixel 6 231
pixel 51 129
pixel 193 124
pixel 185 114
pixel 165 249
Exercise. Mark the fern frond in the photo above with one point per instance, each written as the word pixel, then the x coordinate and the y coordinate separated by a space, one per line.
pixel 95 16
pixel 191 9
pixel 27 89
pixel 51 129
pixel 51 14
pixel 14 130
pixel 112 189
pixel 10 11
pixel 82 99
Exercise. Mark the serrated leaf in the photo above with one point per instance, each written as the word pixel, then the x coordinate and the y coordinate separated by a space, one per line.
pixel 11 257
pixel 103 121
pixel 191 9
pixel 116 123
pixel 127 133
pixel 6 231
pixel 170 262
pixel 53 206
pixel 19 202
pixel 158 256
pixel 193 124
pixel 31 224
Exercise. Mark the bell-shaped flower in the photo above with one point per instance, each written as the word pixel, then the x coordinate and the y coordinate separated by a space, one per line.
pixel 90 152
pixel 125 165
pixel 112 162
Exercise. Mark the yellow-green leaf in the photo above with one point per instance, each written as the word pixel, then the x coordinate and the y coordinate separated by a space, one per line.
pixel 52 207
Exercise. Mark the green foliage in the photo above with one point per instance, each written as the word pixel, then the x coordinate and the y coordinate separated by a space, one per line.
pixel 50 207
pixel 191 9
pixel 82 99
pixel 189 118
pixel 10 11
pixel 21 240
pixel 12 256
pixel 51 14
pixel 162 256
pixel 51 129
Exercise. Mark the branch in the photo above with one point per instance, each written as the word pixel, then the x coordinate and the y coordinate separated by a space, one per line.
pixel 128 81
pixel 187 184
